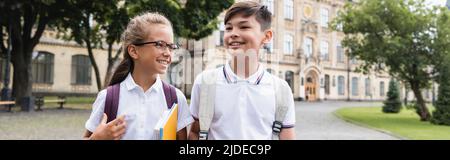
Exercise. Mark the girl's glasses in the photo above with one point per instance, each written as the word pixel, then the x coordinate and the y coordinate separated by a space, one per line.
pixel 160 45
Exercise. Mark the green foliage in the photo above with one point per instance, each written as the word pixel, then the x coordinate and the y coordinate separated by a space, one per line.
pixel 392 104
pixel 402 35
pixel 442 113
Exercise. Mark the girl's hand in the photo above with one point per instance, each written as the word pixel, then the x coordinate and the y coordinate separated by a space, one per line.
pixel 113 130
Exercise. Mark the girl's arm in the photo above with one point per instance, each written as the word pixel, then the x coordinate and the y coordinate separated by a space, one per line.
pixel 87 135
pixel 182 134
pixel 108 131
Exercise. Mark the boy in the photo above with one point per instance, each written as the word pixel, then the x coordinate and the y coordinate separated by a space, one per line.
pixel 241 100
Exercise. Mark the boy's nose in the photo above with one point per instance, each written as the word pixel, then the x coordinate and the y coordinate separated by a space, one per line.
pixel 234 35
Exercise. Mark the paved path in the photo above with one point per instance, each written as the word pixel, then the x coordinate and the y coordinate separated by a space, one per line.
pixel 316 121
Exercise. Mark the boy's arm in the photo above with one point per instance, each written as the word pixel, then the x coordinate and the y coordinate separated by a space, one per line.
pixel 195 129
pixel 287 134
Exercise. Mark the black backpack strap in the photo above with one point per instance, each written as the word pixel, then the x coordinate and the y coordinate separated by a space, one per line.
pixel 170 94
pixel 112 101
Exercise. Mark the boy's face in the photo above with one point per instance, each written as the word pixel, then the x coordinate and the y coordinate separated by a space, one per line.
pixel 243 34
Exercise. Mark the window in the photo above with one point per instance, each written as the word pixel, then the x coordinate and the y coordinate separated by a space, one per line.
pixel 341 85
pixel 381 88
pixel 221 34
pixel 289 9
pixel 308 46
pixel 269 47
pixel 324 50
pixel 355 86
pixel 270 70
pixel 2 68
pixel 339 26
pixel 270 5
pixel 219 66
pixel 324 14
pixel 288 44
pixel 327 84
pixel 42 67
pixel 367 84
pixel 354 61
pixel 290 79
pixel 334 81
pixel 81 70
pixel 340 53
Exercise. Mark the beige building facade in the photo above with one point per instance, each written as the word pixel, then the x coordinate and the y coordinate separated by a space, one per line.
pixel 304 51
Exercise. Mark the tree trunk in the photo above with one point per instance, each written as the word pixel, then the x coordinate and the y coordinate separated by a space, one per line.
pixel 94 65
pixel 22 78
pixel 112 64
pixel 87 28
pixel 423 110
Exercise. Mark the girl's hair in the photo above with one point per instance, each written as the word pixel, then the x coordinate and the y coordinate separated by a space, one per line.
pixel 136 32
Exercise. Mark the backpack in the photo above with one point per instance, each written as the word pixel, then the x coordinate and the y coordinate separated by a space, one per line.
pixel 112 99
pixel 207 100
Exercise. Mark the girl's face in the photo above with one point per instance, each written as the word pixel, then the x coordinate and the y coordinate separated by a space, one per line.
pixel 154 54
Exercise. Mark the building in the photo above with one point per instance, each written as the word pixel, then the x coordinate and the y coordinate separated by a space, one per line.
pixel 448 4
pixel 62 68
pixel 304 51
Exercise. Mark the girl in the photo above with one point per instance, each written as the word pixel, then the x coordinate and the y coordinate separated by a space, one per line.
pixel 148 45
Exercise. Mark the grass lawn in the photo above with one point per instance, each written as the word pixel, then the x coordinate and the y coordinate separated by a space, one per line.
pixel 404 124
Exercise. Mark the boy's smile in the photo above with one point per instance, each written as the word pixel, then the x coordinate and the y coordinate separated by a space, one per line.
pixel 236 45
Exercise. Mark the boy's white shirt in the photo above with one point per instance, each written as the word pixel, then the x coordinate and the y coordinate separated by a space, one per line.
pixel 142 110
pixel 243 111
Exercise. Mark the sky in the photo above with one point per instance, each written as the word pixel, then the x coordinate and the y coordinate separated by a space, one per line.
pixel 436 2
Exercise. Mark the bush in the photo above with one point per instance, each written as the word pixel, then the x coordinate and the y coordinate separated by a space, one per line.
pixel 393 103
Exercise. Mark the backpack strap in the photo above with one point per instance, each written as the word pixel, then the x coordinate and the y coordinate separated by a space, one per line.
pixel 170 94
pixel 112 101
pixel 207 102
pixel 281 107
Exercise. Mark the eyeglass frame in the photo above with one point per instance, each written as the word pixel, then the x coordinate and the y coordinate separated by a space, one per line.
pixel 159 44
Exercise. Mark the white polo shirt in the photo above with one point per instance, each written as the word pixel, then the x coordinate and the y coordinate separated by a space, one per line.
pixel 142 110
pixel 243 110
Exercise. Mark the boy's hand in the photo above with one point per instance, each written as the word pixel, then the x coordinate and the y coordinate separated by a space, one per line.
pixel 110 131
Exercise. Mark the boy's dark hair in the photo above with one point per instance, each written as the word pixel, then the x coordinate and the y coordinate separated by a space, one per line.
pixel 250 8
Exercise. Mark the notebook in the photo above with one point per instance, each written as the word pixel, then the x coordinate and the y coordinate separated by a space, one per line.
pixel 166 128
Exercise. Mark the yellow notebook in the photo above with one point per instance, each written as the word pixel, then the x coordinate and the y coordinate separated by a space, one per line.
pixel 166 128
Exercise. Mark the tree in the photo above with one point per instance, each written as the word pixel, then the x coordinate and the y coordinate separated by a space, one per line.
pixel 441 115
pixel 27 20
pixel 112 18
pixel 398 34
pixel 82 26
pixel 393 103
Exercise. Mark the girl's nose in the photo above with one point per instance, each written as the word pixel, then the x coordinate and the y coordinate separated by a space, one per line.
pixel 167 53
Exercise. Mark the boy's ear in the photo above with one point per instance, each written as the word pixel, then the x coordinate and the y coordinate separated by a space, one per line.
pixel 268 34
